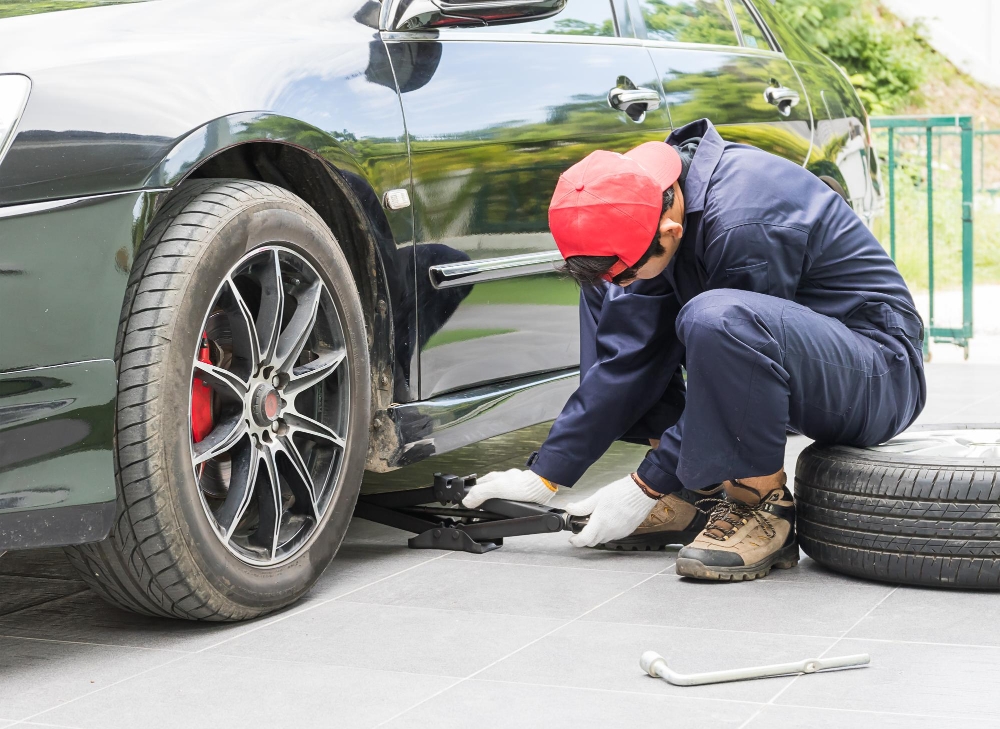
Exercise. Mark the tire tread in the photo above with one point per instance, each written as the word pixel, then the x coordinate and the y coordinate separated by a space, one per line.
pixel 905 523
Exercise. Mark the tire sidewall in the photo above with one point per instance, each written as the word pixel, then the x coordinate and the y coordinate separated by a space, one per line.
pixel 260 223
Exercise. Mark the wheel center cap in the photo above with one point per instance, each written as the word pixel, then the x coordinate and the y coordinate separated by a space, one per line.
pixel 266 405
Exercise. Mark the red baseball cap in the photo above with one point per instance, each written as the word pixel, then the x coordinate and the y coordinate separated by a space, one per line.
pixel 609 204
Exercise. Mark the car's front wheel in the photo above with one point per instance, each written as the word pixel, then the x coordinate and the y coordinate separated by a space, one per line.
pixel 243 408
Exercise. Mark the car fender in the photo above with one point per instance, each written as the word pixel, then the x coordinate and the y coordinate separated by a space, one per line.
pixel 238 128
pixel 369 233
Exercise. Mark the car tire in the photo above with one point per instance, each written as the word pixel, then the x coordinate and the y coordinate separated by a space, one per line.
pixel 922 509
pixel 167 554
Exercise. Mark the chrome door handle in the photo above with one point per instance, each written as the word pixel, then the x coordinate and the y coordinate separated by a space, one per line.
pixel 782 97
pixel 621 99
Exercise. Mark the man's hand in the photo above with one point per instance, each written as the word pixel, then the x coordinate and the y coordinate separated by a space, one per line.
pixel 615 512
pixel 515 485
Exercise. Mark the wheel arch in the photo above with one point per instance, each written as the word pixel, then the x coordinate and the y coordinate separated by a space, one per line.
pixel 315 166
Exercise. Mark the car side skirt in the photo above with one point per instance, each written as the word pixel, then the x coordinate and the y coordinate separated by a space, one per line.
pixel 441 424
pixel 60 527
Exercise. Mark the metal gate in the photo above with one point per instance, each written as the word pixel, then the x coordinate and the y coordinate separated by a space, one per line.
pixel 929 126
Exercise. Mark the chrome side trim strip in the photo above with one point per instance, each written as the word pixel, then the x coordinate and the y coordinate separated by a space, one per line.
pixel 463 273
pixel 713 47
pixel 456 35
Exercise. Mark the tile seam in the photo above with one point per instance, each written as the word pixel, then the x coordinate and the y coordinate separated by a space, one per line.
pixel 620 691
pixel 98 645
pixel 894 641
pixel 46 602
pixel 553 566
pixel 821 655
pixel 181 657
pixel 518 650
pixel 885 713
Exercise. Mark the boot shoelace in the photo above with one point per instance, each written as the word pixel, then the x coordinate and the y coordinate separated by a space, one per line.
pixel 736 515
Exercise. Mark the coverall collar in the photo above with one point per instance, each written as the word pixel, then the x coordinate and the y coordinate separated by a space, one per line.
pixel 705 160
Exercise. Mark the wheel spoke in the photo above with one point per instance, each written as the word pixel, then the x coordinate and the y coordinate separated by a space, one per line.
pixel 300 326
pixel 272 306
pixel 269 506
pixel 312 429
pixel 241 488
pixel 312 373
pixel 224 383
pixel 224 436
pixel 298 475
pixel 265 472
pixel 245 341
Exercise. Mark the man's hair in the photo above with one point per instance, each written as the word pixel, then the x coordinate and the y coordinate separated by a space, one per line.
pixel 589 270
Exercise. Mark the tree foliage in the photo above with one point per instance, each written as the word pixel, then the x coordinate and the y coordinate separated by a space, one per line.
pixel 700 21
pixel 884 59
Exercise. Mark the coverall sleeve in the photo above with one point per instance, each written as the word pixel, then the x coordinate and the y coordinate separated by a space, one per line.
pixel 762 257
pixel 637 355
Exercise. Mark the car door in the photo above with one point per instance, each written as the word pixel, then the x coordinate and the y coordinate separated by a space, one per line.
pixel 841 154
pixel 498 114
pixel 716 61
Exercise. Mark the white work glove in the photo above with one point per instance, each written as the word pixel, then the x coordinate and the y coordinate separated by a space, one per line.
pixel 615 512
pixel 515 485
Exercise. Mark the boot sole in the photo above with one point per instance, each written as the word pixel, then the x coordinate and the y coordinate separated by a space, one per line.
pixel 650 542
pixel 785 558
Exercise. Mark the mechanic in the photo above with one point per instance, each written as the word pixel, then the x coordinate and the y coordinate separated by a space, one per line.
pixel 785 313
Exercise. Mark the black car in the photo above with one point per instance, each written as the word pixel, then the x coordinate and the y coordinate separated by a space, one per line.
pixel 249 249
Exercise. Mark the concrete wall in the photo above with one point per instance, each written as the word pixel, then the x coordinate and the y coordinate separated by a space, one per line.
pixel 966 31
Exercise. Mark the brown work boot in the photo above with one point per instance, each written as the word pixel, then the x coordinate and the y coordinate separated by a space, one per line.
pixel 748 533
pixel 674 520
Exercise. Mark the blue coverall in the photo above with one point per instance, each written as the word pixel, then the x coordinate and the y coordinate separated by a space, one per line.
pixel 782 307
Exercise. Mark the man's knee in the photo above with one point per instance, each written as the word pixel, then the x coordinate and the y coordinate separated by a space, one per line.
pixel 710 312
pixel 722 322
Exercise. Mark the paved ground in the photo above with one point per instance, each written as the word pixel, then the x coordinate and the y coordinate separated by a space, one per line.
pixel 534 634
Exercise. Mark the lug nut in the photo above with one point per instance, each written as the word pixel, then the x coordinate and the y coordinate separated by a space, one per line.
pixel 276 380
pixel 276 426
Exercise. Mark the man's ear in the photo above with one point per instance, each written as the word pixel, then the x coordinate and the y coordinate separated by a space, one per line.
pixel 670 227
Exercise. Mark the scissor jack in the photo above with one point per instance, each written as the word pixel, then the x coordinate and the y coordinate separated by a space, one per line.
pixel 436 515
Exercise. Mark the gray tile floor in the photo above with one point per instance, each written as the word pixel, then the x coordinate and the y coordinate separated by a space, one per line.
pixel 534 634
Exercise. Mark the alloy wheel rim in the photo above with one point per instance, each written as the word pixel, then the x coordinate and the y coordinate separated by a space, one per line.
pixel 947 443
pixel 274 358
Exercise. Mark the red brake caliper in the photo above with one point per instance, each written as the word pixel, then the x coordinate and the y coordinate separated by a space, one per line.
pixel 201 399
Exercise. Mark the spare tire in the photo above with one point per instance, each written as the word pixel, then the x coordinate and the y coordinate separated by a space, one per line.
pixel 922 509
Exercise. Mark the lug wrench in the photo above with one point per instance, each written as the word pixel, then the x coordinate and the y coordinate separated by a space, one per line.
pixel 656 666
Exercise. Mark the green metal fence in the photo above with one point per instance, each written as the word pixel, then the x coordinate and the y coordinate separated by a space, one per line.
pixel 979 135
pixel 931 127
